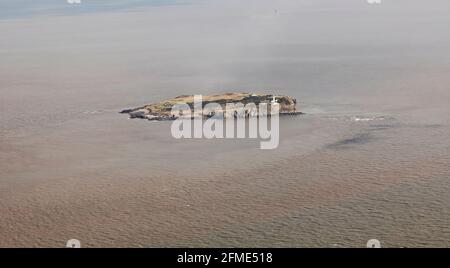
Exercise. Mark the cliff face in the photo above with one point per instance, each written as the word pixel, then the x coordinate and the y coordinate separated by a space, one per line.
pixel 162 110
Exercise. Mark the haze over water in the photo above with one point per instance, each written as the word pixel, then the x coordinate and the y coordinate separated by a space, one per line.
pixel 370 159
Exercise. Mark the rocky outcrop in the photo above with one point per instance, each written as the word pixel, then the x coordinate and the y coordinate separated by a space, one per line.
pixel 163 110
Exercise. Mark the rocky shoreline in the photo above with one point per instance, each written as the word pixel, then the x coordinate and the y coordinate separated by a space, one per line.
pixel 162 111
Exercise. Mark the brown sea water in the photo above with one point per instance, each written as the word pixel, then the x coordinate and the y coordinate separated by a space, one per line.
pixel 369 159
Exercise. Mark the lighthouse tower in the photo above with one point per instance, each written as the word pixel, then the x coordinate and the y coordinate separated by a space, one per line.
pixel 274 106
pixel 273 100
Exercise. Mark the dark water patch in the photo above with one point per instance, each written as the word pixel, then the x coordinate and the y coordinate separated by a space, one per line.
pixel 359 139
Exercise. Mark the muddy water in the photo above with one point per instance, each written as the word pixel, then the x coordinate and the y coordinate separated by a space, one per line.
pixel 370 159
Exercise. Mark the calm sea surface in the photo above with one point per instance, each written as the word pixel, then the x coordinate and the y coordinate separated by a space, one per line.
pixel 369 159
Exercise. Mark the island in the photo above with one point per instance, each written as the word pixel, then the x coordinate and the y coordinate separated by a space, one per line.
pixel 163 110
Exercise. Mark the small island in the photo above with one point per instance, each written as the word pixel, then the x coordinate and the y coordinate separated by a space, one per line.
pixel 163 110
